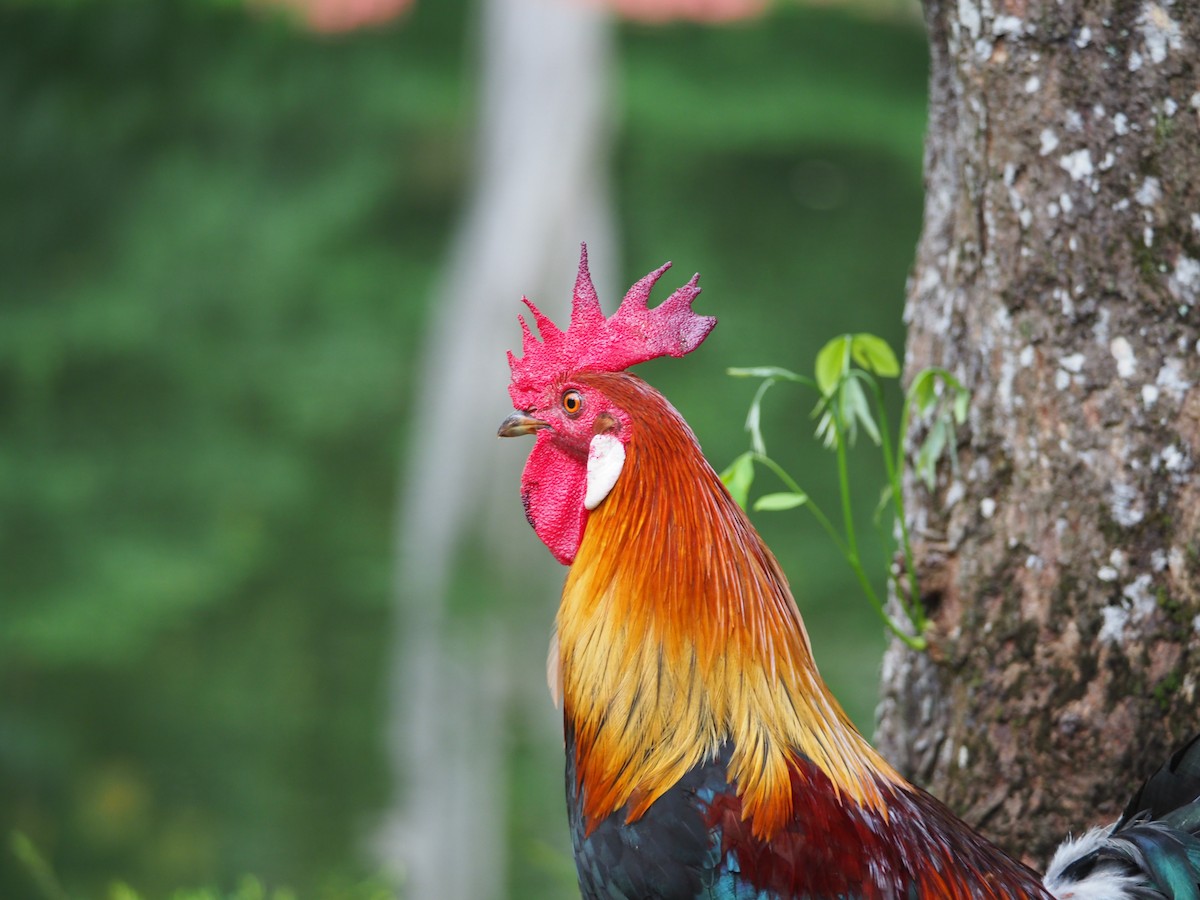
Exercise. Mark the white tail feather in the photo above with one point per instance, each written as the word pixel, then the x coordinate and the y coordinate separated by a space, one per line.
pixel 1102 883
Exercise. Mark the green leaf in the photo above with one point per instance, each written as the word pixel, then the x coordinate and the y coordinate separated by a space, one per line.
pixel 766 372
pixel 779 502
pixel 885 498
pixel 827 431
pixel 929 392
pixel 833 361
pixel 857 411
pixel 930 451
pixel 36 867
pixel 922 392
pixel 873 354
pixel 738 478
pixel 754 418
pixel 962 399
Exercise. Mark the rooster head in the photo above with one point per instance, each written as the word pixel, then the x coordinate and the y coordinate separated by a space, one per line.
pixel 579 451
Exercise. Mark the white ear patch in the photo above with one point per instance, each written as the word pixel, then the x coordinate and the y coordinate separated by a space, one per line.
pixel 606 458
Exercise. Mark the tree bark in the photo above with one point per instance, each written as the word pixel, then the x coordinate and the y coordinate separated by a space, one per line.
pixel 1057 276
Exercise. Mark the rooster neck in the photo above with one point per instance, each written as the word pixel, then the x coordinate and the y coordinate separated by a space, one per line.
pixel 678 634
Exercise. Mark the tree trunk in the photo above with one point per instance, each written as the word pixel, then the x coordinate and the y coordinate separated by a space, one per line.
pixel 541 187
pixel 1057 277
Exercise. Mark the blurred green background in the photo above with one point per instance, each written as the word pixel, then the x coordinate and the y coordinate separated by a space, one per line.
pixel 219 234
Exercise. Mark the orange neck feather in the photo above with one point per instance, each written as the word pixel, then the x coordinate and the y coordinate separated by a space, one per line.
pixel 678 633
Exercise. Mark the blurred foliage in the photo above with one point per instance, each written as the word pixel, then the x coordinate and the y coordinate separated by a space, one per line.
pixel 216 244
pixel 47 886
pixel 216 241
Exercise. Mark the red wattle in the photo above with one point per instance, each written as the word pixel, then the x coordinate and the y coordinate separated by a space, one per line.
pixel 552 489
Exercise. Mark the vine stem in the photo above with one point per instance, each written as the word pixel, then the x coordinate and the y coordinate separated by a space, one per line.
pixel 915 610
pixel 791 484
pixel 914 641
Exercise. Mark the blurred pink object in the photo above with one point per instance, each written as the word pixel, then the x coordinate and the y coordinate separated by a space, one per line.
pixel 658 11
pixel 332 16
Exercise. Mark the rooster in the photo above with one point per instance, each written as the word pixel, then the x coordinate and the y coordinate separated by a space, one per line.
pixel 705 756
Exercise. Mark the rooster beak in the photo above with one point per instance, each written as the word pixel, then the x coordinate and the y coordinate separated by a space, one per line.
pixel 520 424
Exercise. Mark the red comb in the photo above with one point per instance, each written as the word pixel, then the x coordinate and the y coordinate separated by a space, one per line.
pixel 633 335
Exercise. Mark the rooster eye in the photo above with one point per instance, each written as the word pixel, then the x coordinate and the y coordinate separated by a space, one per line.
pixel 572 403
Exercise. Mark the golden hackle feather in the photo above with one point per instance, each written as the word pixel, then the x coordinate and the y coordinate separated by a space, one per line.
pixel 678 633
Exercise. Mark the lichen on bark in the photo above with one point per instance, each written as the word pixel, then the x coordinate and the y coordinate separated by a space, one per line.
pixel 1057 277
